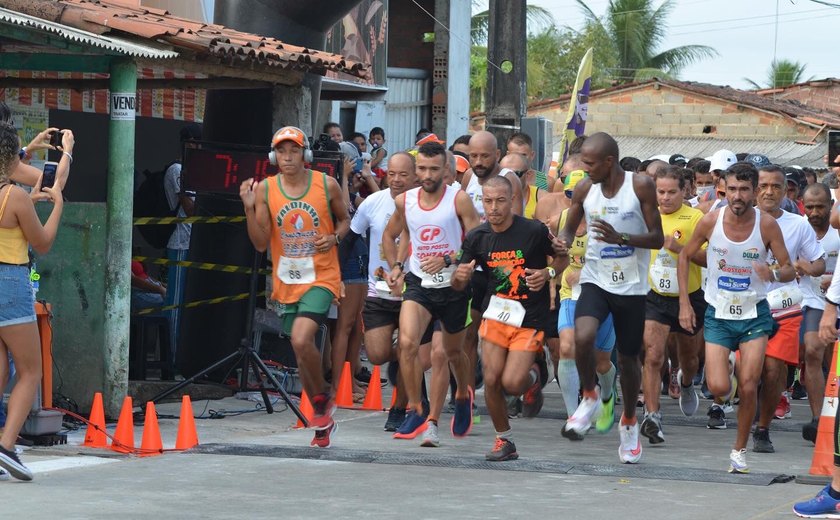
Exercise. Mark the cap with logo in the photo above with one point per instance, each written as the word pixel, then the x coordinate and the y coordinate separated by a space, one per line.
pixel 289 133
pixel 574 177
pixel 757 160
pixel 428 138
pixel 721 160
pixel 678 159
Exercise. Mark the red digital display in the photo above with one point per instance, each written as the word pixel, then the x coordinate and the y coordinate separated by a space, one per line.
pixel 214 168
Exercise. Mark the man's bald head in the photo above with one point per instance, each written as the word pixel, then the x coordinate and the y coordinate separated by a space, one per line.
pixel 484 139
pixel 601 144
pixel 484 154
pixel 515 162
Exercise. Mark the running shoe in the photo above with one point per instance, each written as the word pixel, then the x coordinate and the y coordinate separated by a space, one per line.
pixel 462 420
pixel 674 384
pixel 10 462
pixel 413 425
pixel 738 461
pixel 809 430
pixel 363 377
pixel 323 438
pixel 652 427
pixel 630 449
pixel 324 407
pixel 513 403
pixel 689 400
pixel 502 450
pixel 579 423
pixel 783 408
pixel 797 391
pixel 761 441
pixel 727 407
pixel 717 418
pixel 532 399
pixel 396 416
pixel 821 506
pixel 431 439
pixel 606 419
pixel 4 475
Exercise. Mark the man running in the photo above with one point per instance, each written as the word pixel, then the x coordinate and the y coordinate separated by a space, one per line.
pixel 663 306
pixel 301 216
pixel 433 219
pixel 620 210
pixel 513 251
pixel 738 317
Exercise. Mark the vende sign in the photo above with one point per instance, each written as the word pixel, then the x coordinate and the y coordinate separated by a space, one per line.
pixel 123 106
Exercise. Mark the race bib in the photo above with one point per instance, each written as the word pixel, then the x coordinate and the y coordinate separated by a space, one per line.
pixel 296 271
pixel 438 280
pixel 736 305
pixel 383 290
pixel 664 279
pixel 618 272
pixel 509 312
pixel 784 298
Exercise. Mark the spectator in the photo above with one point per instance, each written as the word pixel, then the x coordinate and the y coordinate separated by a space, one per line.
pixel 333 130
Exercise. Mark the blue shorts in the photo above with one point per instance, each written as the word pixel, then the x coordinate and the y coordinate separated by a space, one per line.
pixel 731 333
pixel 604 340
pixel 354 268
pixel 17 302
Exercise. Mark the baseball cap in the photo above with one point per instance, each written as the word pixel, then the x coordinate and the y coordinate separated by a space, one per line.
pixel 721 160
pixel 430 138
pixel 349 150
pixel 757 160
pixel 289 133
pixel 574 177
pixel 678 159
pixel 461 164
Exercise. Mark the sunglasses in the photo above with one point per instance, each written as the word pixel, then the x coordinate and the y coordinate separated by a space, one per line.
pixel 520 173
pixel 721 194
pixel 569 193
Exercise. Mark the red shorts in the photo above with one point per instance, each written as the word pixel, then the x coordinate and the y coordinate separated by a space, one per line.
pixel 784 344
pixel 510 337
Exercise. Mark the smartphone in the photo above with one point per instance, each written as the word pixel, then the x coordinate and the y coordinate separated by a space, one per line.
pixel 833 147
pixel 56 137
pixel 50 169
pixel 360 162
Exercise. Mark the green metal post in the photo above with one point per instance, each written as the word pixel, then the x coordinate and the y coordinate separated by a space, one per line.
pixel 118 242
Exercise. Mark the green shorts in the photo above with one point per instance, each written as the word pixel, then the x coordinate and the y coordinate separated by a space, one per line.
pixel 731 333
pixel 314 304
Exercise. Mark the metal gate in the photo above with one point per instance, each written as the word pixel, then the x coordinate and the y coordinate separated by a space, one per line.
pixel 408 106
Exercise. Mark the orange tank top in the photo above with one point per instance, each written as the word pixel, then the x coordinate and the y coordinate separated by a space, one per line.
pixel 296 223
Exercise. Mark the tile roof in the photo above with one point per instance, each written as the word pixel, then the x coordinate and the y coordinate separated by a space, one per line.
pixel 205 41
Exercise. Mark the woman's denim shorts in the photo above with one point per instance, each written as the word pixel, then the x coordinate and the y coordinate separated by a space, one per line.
pixel 17 303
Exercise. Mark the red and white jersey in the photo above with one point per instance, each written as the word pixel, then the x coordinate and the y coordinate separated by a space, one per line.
pixel 434 231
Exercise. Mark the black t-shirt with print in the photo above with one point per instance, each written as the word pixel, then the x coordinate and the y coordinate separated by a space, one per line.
pixel 505 256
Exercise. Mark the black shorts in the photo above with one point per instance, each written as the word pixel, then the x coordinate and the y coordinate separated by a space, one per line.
pixel 379 312
pixel 666 310
pixel 449 306
pixel 478 283
pixel 628 315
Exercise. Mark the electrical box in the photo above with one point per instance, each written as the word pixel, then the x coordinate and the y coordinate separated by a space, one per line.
pixel 541 131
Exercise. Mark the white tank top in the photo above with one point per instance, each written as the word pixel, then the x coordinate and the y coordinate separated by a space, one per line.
pixel 733 288
pixel 813 295
pixel 473 189
pixel 620 270
pixel 434 231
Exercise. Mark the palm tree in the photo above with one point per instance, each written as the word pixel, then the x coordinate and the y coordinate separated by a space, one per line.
pixel 782 73
pixel 637 29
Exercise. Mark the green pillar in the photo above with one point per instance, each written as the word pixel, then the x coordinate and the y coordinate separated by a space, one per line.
pixel 123 89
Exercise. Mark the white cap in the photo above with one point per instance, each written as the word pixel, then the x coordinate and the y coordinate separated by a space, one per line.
pixel 721 160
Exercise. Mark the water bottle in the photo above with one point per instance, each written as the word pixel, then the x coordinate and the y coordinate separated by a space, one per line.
pixel 34 279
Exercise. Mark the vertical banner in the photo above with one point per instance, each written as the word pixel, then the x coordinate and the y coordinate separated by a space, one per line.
pixel 578 105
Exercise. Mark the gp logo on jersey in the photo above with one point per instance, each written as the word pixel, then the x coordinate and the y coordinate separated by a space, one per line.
pixel 431 234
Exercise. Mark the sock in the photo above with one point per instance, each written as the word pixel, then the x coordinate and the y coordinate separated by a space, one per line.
pixel 567 376
pixel 435 421
pixel 626 421
pixel 833 494
pixel 606 381
pixel 505 435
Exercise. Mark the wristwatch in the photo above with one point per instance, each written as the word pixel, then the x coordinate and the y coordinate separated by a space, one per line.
pixel 551 272
pixel 625 239
pixel 447 261
pixel 398 264
pixel 775 273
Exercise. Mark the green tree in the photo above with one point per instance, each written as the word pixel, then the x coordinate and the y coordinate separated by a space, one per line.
pixel 781 74
pixel 537 18
pixel 636 29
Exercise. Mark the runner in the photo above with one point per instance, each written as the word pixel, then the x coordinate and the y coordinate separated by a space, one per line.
pixel 521 144
pixel 663 306
pixel 513 251
pixel 738 316
pixel 620 210
pixel 530 193
pixel 433 217
pixel 301 219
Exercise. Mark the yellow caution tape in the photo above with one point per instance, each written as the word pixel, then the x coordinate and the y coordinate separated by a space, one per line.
pixel 200 265
pixel 142 221
pixel 197 303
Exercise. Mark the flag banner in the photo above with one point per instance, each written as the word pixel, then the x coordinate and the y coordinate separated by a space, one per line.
pixel 578 105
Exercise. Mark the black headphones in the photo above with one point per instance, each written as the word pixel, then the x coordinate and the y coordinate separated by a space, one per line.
pixel 307 152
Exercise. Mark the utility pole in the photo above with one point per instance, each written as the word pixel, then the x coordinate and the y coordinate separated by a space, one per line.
pixel 506 73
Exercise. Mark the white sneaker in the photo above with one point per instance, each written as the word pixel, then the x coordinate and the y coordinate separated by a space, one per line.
pixel 630 449
pixel 738 461
pixel 689 400
pixel 579 423
pixel 431 439
pixel 4 475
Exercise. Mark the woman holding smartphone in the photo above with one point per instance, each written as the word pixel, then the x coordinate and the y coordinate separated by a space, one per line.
pixel 20 228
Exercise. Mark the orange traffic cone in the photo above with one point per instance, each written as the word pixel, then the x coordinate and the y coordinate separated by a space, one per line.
pixel 124 435
pixel 822 463
pixel 187 434
pixel 95 436
pixel 305 408
pixel 151 444
pixel 344 397
pixel 373 396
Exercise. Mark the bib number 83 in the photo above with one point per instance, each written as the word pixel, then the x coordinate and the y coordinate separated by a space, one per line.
pixel 664 283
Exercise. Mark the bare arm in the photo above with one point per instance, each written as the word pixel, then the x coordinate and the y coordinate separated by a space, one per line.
pixel 466 211
pixel 40 237
pixel 147 285
pixel 257 215
pixel 692 249
pixel 772 236
pixel 574 216
pixel 395 227
pixel 646 191
pixel 339 208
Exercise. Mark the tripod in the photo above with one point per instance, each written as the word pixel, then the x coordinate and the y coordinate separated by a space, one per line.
pixel 247 357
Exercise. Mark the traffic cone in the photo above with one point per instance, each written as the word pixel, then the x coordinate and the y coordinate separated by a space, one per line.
pixel 822 463
pixel 344 398
pixel 95 436
pixel 123 441
pixel 305 409
pixel 187 435
pixel 151 444
pixel 373 396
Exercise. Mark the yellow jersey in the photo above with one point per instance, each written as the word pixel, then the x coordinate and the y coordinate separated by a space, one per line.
pixel 577 252
pixel 662 274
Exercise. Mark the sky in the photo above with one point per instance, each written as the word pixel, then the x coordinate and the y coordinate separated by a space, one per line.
pixel 742 31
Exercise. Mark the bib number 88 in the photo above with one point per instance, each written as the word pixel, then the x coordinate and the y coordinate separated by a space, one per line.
pixel 295 274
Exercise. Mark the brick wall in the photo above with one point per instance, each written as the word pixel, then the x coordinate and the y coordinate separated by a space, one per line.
pixel 819 96
pixel 667 112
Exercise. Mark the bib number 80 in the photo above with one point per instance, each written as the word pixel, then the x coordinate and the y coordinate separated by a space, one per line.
pixel 787 302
